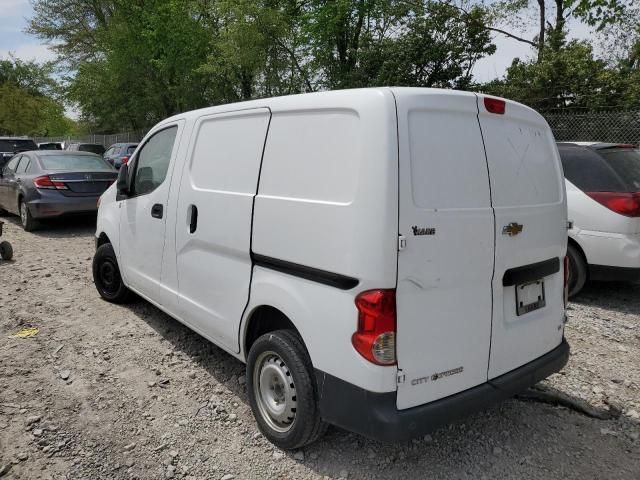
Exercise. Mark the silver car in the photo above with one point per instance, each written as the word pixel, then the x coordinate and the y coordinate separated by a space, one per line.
pixel 50 183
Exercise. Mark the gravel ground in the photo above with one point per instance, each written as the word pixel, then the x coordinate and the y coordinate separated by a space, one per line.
pixel 121 392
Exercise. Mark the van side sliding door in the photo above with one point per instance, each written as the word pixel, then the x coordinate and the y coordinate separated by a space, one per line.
pixel 213 224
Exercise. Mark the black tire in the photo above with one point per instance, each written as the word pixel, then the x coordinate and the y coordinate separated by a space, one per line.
pixel 106 276
pixel 577 270
pixel 29 224
pixel 305 425
pixel 6 250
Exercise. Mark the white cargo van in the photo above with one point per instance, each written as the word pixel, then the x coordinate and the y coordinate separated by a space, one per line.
pixel 385 260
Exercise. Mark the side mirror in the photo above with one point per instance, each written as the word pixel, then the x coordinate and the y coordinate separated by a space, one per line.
pixel 122 183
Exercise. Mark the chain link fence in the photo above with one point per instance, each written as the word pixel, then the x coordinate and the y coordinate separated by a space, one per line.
pixel 106 140
pixel 614 127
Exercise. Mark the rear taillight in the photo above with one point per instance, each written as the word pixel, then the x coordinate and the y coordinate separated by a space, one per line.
pixel 45 182
pixel 375 339
pixel 627 204
pixel 566 280
pixel 125 160
pixel 495 105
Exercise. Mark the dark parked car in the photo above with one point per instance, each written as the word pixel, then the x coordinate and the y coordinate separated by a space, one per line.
pixel 9 146
pixel 50 146
pixel 119 153
pixel 86 147
pixel 50 183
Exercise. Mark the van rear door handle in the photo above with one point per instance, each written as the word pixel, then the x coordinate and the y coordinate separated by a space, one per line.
pixel 193 221
pixel 156 210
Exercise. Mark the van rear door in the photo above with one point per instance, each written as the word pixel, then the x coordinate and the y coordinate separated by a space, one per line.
pixel 444 273
pixel 527 191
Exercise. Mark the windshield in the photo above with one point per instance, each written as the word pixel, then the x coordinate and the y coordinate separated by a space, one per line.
pixel 91 147
pixel 17 145
pixel 74 162
pixel 626 163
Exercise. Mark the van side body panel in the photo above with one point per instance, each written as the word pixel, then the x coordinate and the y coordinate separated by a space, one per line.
pixel 328 188
pixel 213 220
pixel 328 200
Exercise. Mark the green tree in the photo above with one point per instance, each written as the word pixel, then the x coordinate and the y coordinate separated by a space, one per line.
pixel 569 78
pixel 28 100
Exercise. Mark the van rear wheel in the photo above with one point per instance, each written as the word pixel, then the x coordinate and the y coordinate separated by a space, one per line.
pixel 577 270
pixel 106 276
pixel 282 390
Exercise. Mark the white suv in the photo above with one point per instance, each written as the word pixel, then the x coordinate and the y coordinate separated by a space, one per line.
pixel 603 197
pixel 384 260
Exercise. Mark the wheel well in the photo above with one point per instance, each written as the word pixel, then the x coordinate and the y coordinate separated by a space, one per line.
pixel 265 319
pixel 577 246
pixel 102 239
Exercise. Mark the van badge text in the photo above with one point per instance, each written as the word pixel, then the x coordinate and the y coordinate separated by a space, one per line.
pixel 436 376
pixel 423 230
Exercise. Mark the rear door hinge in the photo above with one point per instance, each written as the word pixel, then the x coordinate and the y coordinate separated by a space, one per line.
pixel 402 242
pixel 400 378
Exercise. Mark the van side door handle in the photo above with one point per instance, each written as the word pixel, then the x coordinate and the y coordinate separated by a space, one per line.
pixel 193 221
pixel 157 210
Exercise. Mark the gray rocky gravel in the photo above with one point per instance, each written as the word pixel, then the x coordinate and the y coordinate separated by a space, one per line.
pixel 145 398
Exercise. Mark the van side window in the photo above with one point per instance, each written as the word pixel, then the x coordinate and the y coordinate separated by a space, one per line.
pixel 153 161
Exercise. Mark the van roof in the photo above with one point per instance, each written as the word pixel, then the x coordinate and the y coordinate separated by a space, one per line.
pixel 333 98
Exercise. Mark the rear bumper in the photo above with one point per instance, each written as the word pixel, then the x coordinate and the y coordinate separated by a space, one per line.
pixel 375 415
pixel 605 273
pixel 60 205
pixel 609 249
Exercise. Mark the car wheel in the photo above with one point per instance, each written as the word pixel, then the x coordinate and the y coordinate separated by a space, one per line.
pixel 27 221
pixel 6 250
pixel 577 270
pixel 282 390
pixel 106 276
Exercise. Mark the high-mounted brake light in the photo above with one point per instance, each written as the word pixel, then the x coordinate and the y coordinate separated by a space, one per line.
pixel 495 105
pixel 627 204
pixel 46 183
pixel 375 338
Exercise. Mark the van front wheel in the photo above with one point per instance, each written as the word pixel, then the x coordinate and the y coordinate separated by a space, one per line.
pixel 106 275
pixel 282 390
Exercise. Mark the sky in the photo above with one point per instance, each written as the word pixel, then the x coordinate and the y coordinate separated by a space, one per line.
pixel 14 14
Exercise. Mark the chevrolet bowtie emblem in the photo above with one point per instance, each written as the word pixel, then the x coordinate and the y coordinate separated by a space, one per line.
pixel 512 229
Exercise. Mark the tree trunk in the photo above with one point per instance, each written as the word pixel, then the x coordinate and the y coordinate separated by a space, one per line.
pixel 541 32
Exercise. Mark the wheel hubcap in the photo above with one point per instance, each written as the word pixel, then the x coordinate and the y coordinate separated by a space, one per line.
pixel 109 276
pixel 275 391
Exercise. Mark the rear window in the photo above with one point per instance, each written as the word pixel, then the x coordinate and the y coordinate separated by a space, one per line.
pixel 50 146
pixel 93 148
pixel 17 145
pixel 74 162
pixel 626 163
pixel 131 149
pixel 586 170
